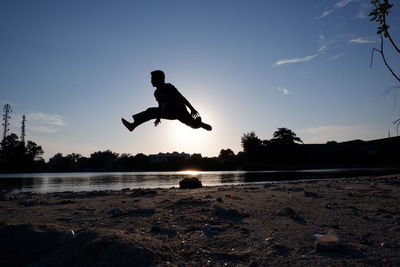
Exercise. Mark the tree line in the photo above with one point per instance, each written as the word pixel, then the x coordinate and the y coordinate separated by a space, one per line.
pixel 284 151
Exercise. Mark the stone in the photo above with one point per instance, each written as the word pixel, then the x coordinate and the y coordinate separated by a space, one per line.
pixel 190 183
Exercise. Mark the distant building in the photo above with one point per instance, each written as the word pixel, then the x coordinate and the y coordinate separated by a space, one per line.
pixel 161 157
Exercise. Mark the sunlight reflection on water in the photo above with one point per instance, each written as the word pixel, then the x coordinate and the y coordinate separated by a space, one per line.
pixel 92 181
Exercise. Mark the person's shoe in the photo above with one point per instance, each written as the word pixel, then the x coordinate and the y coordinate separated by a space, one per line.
pixel 128 125
pixel 207 127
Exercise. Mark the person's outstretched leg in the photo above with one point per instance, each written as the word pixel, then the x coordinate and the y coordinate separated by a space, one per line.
pixel 142 117
pixel 128 125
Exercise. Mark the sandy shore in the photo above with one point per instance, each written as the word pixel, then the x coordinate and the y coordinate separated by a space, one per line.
pixel 254 225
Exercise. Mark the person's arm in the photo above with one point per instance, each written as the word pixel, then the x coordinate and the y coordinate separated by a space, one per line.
pixel 182 99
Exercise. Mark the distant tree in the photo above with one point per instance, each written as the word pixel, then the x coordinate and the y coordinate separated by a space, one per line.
pixel 125 162
pixel 12 153
pixel 228 159
pixel 194 162
pixel 251 143
pixel 60 163
pixel 33 151
pixel 141 161
pixel 226 154
pixel 253 151
pixel 74 157
pixel 83 163
pixel 11 141
pixel 196 157
pixel 103 160
pixel 285 136
pixel 16 156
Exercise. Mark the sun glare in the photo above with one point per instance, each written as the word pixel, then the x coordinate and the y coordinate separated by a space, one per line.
pixel 188 139
pixel 190 172
pixel 182 138
pixel 186 134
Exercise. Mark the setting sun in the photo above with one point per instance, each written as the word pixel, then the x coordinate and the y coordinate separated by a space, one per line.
pixel 187 135
pixel 190 172
pixel 184 138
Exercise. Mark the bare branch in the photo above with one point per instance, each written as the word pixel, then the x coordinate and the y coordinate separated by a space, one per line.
pixel 384 60
pixel 391 41
pixel 372 55
pixel 388 35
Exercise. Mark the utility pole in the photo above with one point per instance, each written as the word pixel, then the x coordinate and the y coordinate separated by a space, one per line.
pixel 6 116
pixel 23 129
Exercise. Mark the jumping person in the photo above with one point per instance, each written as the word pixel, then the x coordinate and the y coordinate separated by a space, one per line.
pixel 171 106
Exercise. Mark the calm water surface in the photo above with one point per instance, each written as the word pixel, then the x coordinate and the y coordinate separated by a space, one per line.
pixel 92 181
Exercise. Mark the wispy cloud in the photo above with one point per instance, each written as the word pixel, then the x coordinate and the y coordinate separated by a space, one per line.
pixel 44 123
pixel 294 60
pixel 335 57
pixel 323 46
pixel 336 6
pixel 283 90
pixel 361 40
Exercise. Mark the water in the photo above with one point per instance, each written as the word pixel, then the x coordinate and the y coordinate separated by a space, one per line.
pixel 92 181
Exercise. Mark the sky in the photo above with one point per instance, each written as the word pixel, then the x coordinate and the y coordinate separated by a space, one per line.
pixel 76 67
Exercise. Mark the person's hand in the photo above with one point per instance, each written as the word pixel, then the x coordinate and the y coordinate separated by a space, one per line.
pixel 157 122
pixel 194 113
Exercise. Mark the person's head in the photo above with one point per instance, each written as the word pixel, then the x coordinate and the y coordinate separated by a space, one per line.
pixel 157 78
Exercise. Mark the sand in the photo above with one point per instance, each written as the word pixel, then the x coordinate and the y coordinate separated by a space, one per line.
pixel 244 225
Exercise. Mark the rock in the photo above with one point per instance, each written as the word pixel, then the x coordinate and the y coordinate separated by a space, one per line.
pixel 190 183
pixel 328 242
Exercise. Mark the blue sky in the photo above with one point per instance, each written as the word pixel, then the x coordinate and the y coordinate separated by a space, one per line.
pixel 76 67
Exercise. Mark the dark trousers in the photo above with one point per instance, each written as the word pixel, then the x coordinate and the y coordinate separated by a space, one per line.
pixel 175 113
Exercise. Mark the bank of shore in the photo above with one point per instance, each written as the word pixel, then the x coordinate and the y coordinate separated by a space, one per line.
pixel 257 225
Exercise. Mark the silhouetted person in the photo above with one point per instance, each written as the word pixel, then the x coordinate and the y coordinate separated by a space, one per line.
pixel 171 106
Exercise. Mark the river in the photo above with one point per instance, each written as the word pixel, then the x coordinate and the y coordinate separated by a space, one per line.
pixel 93 181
